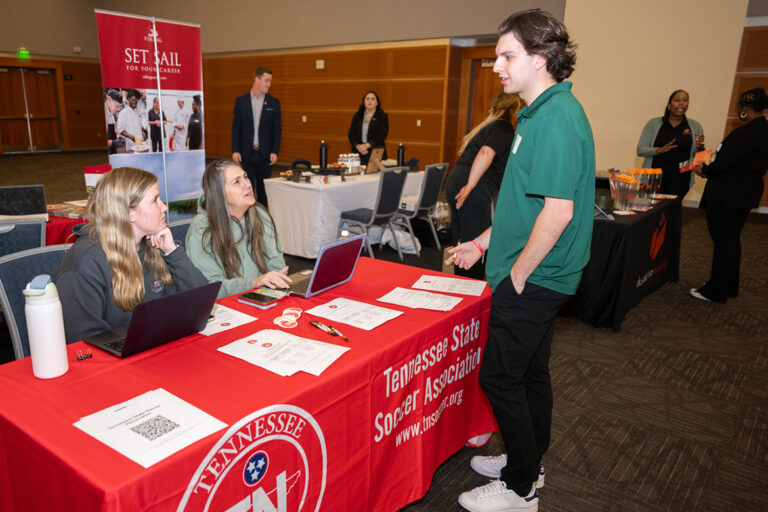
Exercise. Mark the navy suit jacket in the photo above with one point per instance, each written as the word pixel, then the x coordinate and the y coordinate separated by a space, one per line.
pixel 270 126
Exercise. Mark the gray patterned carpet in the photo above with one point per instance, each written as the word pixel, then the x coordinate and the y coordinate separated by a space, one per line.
pixel 670 414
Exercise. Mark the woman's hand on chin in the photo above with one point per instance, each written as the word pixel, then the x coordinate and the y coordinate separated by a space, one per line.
pixel 163 240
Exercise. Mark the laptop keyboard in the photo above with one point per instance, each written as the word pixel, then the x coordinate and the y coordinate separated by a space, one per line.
pixel 299 287
pixel 115 345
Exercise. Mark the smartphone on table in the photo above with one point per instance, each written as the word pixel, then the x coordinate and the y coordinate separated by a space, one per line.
pixel 260 299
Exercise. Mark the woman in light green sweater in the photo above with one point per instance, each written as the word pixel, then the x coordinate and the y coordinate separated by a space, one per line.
pixel 669 140
pixel 233 240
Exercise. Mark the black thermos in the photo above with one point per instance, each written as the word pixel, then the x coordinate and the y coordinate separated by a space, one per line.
pixel 400 154
pixel 323 154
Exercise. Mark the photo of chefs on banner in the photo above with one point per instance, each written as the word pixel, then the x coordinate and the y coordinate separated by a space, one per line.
pixel 136 123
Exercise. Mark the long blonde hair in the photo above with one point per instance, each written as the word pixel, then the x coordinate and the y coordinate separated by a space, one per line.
pixel 502 107
pixel 119 191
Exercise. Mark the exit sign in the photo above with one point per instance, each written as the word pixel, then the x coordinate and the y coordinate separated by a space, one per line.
pixel 22 53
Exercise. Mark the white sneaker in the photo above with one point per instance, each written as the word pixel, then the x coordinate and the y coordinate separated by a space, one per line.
pixel 491 467
pixel 495 497
pixel 697 294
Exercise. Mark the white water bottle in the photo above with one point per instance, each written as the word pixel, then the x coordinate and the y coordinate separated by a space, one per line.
pixel 45 328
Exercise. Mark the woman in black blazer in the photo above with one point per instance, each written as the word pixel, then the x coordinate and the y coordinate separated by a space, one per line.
pixel 734 186
pixel 369 128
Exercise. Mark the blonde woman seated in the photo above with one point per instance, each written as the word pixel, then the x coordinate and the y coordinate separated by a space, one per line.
pixel 125 256
pixel 234 240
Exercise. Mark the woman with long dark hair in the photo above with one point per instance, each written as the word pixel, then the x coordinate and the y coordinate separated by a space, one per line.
pixel 369 127
pixel 734 186
pixel 234 239
pixel 124 256
pixel 668 140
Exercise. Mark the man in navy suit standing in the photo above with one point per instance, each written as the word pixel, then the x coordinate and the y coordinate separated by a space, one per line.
pixel 256 131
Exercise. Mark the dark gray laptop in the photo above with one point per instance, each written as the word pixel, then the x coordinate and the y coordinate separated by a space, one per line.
pixel 335 265
pixel 22 200
pixel 159 321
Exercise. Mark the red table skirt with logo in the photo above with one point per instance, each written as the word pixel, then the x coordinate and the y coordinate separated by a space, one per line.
pixel 367 434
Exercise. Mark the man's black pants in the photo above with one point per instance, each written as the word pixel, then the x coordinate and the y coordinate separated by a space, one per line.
pixel 514 375
pixel 258 169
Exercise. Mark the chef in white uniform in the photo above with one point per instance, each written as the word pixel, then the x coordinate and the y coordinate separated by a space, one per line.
pixel 180 124
pixel 128 121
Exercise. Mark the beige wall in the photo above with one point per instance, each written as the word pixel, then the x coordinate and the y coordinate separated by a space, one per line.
pixel 53 27
pixel 626 70
pixel 49 27
pixel 247 25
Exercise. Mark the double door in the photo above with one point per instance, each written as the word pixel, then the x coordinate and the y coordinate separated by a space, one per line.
pixel 29 111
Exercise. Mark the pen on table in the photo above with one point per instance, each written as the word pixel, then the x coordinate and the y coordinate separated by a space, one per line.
pixel 330 330
pixel 337 332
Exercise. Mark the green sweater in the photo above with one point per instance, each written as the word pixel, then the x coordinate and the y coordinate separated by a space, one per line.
pixel 645 147
pixel 203 258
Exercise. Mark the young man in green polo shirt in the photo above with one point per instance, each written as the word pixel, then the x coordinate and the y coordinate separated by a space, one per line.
pixel 537 248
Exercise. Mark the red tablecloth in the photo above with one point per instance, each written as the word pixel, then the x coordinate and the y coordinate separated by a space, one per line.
pixel 367 434
pixel 59 229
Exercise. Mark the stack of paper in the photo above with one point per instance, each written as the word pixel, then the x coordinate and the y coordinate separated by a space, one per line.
pixel 150 427
pixel 420 300
pixel 284 353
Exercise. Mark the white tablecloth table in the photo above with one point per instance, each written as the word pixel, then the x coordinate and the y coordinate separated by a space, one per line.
pixel 307 215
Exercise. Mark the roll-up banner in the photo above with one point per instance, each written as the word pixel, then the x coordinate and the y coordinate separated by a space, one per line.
pixel 152 79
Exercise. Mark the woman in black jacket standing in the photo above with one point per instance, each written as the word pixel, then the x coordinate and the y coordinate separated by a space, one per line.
pixel 369 128
pixel 734 186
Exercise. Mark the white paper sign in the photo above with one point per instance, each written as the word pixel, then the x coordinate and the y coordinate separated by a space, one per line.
pixel 354 313
pixel 225 318
pixel 150 427
pixel 420 300
pixel 450 285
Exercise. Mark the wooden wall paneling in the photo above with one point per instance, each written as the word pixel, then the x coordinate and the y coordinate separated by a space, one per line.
pixel 451 104
pixel 751 72
pixel 743 82
pixel 467 56
pixel 754 49
pixel 409 82
pixel 85 105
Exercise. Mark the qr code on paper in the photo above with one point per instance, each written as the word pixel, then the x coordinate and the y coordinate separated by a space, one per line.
pixel 155 427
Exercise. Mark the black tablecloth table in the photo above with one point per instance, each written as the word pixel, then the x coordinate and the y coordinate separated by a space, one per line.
pixel 631 257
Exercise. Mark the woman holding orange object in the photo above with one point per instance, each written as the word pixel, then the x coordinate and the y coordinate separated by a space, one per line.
pixel 669 140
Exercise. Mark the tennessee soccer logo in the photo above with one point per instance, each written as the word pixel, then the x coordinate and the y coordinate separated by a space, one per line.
pixel 255 468
pixel 273 460
pixel 657 238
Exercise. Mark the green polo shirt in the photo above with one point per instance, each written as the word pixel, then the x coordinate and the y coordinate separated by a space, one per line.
pixel 553 155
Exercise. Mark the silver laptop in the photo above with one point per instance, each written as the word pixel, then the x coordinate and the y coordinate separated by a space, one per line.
pixel 335 265
pixel 159 321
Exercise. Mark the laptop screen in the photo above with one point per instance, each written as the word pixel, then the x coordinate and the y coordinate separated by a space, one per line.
pixel 336 264
pixel 22 200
